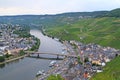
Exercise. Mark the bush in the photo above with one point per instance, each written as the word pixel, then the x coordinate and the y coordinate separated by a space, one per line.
pixel 2 58
pixel 21 52
pixel 86 59
pixel 79 60
pixel 55 77
pixel 8 55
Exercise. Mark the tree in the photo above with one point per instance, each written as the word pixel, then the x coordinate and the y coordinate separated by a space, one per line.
pixel 2 58
pixel 79 60
pixel 55 77
pixel 21 52
pixel 86 59
pixel 8 55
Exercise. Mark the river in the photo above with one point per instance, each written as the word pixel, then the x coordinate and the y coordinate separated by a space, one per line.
pixel 26 68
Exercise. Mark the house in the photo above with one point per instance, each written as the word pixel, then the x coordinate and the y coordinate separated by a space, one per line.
pixel 85 75
pixel 96 61
pixel 98 71
pixel 1 44
pixel 106 59
pixel 1 54
pixel 103 64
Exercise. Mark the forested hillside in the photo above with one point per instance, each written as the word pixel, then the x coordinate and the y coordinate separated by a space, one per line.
pixel 49 20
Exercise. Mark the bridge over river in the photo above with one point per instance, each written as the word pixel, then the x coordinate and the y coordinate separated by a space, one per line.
pixel 57 54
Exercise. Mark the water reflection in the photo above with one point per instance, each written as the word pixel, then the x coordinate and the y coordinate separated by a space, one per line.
pixel 2 66
pixel 10 63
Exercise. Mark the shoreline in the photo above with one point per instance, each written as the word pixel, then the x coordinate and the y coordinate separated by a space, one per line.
pixel 19 57
pixel 50 70
pixel 10 60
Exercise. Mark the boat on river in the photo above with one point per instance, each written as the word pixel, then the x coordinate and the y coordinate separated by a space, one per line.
pixel 42 72
pixel 52 63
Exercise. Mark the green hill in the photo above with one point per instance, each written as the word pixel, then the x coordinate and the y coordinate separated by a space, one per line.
pixel 114 13
pixel 104 31
pixel 36 21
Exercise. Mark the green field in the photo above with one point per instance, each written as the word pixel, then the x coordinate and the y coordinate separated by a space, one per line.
pixel 104 31
pixel 111 71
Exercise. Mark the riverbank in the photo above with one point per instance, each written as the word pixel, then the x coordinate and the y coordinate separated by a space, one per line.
pixel 10 60
pixel 90 66
pixel 19 40
pixel 27 68
pixel 44 32
pixel 52 70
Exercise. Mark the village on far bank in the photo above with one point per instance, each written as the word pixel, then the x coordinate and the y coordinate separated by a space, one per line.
pixel 91 59
pixel 14 40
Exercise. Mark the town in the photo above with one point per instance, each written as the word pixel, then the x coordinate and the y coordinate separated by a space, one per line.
pixel 91 60
pixel 13 39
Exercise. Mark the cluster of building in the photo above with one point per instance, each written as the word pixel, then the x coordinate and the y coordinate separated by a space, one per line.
pixel 93 57
pixel 11 43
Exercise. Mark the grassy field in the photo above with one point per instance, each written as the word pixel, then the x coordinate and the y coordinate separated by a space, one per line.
pixel 111 71
pixel 104 31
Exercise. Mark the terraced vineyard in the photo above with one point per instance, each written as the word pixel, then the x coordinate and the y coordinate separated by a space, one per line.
pixel 104 31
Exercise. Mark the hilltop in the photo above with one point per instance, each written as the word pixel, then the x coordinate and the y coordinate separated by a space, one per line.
pixel 49 20
pixel 113 13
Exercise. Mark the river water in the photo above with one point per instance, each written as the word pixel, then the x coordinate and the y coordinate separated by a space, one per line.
pixel 26 68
